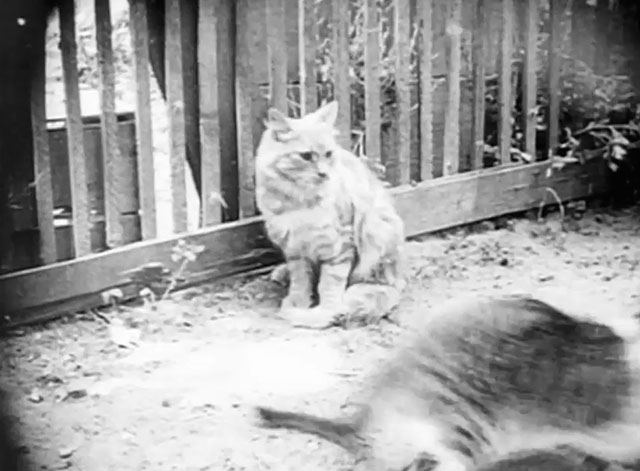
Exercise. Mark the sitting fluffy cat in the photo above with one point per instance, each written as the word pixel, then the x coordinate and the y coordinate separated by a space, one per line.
pixel 488 378
pixel 333 219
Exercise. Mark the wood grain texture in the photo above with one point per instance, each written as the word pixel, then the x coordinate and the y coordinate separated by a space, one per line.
pixel 176 114
pixel 553 124
pixel 482 194
pixel 277 54
pixel 372 108
pixel 478 72
pixel 226 79
pixel 451 164
pixel 425 13
pixel 249 114
pixel 530 77
pixel 42 160
pixel 340 53
pixel 77 159
pixel 210 164
pixel 400 166
pixel 37 294
pixel 46 292
pixel 111 159
pixel 144 136
pixel 505 98
pixel 307 44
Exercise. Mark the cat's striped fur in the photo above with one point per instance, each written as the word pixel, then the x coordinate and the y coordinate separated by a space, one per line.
pixel 489 377
pixel 333 219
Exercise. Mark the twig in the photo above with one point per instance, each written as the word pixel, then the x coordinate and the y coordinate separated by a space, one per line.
pixel 174 279
pixel 557 198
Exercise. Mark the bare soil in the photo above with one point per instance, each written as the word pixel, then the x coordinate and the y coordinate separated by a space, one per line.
pixel 180 395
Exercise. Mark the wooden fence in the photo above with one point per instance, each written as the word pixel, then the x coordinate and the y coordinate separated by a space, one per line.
pixel 411 78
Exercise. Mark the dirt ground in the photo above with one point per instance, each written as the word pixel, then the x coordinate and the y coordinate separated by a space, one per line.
pixel 177 394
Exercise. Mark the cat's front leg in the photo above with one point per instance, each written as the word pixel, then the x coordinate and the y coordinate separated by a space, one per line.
pixel 332 285
pixel 300 294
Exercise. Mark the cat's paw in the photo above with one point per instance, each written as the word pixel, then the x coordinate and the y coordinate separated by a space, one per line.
pixel 280 275
pixel 310 318
pixel 295 301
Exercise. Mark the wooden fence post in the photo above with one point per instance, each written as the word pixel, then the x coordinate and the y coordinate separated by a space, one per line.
pixel 451 151
pixel 307 43
pixel 425 12
pixel 402 30
pixel 144 135
pixel 77 158
pixel 506 53
pixel 372 81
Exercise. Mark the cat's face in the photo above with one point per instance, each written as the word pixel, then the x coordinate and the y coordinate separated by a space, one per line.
pixel 300 150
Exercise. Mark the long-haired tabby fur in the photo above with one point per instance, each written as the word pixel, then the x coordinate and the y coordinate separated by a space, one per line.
pixel 333 219
pixel 488 377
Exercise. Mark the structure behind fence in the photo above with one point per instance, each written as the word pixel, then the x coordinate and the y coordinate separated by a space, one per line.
pixel 429 88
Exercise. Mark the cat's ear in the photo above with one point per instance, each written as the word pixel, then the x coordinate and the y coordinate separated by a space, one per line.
pixel 327 114
pixel 278 124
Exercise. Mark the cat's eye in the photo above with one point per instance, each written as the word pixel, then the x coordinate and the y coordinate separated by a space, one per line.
pixel 308 156
pixel 328 154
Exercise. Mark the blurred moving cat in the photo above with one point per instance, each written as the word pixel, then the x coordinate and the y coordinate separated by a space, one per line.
pixel 333 219
pixel 488 377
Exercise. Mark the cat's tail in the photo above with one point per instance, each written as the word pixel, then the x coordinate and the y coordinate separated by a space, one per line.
pixel 342 431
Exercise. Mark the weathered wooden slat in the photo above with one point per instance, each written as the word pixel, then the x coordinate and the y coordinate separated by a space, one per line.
pixel 56 289
pixel 189 26
pixel 307 44
pixel 42 159
pixel 210 166
pixel 425 13
pixel 111 160
pixel 402 30
pixel 478 71
pixel 175 110
pixel 144 135
pixel 556 10
pixel 372 81
pixel 451 151
pixel 226 77
pixel 340 53
pixel 530 77
pixel 506 53
pixel 77 160
pixel 277 53
pixel 248 46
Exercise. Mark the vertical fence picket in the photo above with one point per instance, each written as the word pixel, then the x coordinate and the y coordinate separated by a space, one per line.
pixel 210 164
pixel 372 80
pixel 112 161
pixel 553 127
pixel 176 115
pixel 42 160
pixel 144 135
pixel 530 77
pixel 402 31
pixel 248 14
pixel 77 160
pixel 277 54
pixel 479 88
pixel 307 43
pixel 340 52
pixel 451 150
pixel 425 12
pixel 506 52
